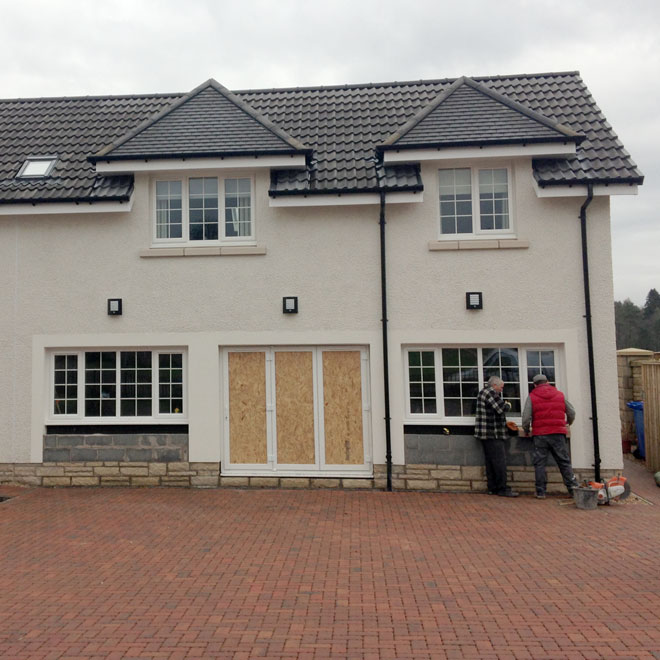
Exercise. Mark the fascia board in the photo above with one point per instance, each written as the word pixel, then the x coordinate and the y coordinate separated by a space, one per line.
pixel 356 199
pixel 68 208
pixel 580 190
pixel 534 150
pixel 179 164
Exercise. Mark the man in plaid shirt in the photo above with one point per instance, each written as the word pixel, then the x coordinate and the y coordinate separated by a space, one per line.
pixel 490 428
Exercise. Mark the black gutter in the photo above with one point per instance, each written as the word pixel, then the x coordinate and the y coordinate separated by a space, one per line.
pixel 446 144
pixel 173 155
pixel 590 339
pixel 338 192
pixel 122 199
pixel 386 361
pixel 628 181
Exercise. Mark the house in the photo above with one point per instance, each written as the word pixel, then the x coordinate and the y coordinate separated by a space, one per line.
pixel 303 287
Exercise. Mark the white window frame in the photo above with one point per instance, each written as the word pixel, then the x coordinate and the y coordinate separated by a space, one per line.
pixel 185 211
pixel 79 418
pixel 477 232
pixel 439 416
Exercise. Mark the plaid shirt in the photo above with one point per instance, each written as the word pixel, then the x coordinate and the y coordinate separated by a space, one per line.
pixel 490 420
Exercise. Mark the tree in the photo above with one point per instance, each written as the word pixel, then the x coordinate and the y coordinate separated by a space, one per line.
pixel 652 304
pixel 638 327
pixel 628 319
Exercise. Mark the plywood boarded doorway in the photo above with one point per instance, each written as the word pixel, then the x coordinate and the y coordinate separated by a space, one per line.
pixel 297 411
pixel 342 408
pixel 247 407
pixel 294 406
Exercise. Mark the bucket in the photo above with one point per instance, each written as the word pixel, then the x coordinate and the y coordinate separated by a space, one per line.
pixel 585 498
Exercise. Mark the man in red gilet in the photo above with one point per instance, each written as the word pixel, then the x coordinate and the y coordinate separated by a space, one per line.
pixel 548 412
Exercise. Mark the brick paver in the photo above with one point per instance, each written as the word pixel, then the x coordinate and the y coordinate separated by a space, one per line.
pixel 177 573
pixel 642 480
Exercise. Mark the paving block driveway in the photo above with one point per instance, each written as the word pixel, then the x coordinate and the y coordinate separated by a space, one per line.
pixel 168 573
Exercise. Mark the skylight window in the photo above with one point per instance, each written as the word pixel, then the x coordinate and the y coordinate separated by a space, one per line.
pixel 39 166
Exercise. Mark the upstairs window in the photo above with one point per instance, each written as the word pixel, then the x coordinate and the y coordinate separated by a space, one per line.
pixel 169 218
pixel 238 207
pixel 204 210
pixel 474 202
pixel 36 167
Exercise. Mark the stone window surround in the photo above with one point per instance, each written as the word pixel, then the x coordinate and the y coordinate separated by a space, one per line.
pixel 214 251
pixel 479 244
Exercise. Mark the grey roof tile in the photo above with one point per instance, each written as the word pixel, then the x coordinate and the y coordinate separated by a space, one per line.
pixel 210 121
pixel 71 129
pixel 561 96
pixel 342 125
pixel 375 110
pixel 468 113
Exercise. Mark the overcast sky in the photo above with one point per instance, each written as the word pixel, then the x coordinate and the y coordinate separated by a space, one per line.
pixel 83 47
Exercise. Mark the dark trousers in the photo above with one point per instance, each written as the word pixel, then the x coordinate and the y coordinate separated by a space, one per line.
pixel 554 444
pixel 495 454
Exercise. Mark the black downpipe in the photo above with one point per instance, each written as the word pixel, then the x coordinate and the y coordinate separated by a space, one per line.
pixel 386 361
pixel 590 338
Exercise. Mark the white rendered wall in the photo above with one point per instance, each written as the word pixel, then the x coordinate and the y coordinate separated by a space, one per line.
pixel 14 426
pixel 531 296
pixel 59 270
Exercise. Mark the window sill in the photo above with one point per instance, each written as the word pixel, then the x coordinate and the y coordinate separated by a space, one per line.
pixel 117 421
pixel 224 251
pixel 451 421
pixel 479 244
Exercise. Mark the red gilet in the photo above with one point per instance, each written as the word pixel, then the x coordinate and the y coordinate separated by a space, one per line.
pixel 548 410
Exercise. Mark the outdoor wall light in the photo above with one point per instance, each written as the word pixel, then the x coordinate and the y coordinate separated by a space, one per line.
pixel 114 306
pixel 290 305
pixel 474 300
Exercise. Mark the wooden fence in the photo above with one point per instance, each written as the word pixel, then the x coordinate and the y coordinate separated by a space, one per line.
pixel 651 388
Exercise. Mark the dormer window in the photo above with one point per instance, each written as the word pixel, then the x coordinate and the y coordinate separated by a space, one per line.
pixel 474 202
pixel 194 210
pixel 37 167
